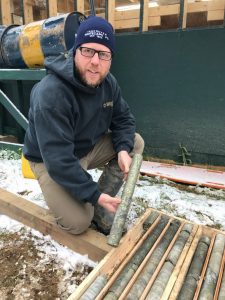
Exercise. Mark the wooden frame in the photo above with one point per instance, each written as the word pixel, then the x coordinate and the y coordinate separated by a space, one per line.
pixel 114 262
pixel 91 242
pixel 124 19
pixel 111 264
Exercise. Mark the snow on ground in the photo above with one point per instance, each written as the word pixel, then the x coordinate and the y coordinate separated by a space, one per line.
pixel 197 204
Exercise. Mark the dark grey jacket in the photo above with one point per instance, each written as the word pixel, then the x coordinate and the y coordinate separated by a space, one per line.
pixel 66 120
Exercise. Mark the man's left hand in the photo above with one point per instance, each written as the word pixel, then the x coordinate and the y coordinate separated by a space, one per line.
pixel 124 161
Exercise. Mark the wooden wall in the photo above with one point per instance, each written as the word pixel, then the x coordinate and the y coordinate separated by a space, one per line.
pixel 124 15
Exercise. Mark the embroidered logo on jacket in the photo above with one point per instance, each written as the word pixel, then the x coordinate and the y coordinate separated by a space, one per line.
pixel 108 104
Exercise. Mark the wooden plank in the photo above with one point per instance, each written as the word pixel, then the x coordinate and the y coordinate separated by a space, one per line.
pixel 202 277
pixel 219 281
pixel 214 15
pixel 152 12
pixel 127 15
pixel 6 12
pixel 111 12
pixel 164 10
pixel 80 6
pixel 205 6
pixel 91 242
pixel 133 23
pixel 52 8
pixel 184 21
pixel 162 261
pixel 154 21
pixel 28 12
pixel 145 16
pixel 113 259
pixel 185 265
pixel 177 268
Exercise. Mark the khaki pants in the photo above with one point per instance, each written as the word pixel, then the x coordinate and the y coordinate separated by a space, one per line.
pixel 71 214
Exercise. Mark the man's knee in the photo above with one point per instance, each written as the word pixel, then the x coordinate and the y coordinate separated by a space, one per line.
pixel 138 144
pixel 73 226
pixel 75 219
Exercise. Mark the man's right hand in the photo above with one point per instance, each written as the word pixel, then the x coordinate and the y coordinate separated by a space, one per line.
pixel 109 203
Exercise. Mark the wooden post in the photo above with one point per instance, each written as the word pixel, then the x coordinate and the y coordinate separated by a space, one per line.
pixel 28 11
pixel 6 12
pixel 184 23
pixel 145 16
pixel 80 6
pixel 52 8
pixel 111 12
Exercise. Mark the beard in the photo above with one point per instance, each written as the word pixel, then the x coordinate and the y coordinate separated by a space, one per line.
pixel 81 76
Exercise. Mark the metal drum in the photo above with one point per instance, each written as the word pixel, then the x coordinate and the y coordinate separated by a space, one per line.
pixel 2 29
pixel 28 45
pixel 58 33
pixel 10 49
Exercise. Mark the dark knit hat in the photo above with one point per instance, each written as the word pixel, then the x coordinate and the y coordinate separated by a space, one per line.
pixel 95 30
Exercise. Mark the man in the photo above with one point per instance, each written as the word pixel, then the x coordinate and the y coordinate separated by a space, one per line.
pixel 79 121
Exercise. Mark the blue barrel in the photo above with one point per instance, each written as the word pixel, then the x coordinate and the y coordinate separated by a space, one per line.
pixel 10 50
pixel 27 45
pixel 58 33
pixel 2 29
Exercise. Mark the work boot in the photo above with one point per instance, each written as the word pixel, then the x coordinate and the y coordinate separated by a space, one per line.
pixel 109 183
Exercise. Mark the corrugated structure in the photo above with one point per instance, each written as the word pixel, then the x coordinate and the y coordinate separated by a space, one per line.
pixel 160 258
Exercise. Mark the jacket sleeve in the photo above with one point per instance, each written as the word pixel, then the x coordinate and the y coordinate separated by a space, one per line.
pixel 123 123
pixel 56 142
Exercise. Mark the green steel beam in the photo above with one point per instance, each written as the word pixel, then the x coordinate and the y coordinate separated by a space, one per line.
pixel 13 110
pixel 22 74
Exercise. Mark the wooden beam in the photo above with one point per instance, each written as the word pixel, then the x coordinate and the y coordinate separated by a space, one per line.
pixel 28 11
pixel 214 15
pixel 6 12
pixel 91 242
pixel 111 12
pixel 205 6
pixel 52 8
pixel 145 16
pixel 184 21
pixel 80 6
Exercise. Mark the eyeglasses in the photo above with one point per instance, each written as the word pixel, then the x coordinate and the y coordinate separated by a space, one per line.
pixel 89 52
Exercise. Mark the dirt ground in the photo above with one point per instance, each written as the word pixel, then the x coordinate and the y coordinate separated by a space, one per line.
pixel 28 273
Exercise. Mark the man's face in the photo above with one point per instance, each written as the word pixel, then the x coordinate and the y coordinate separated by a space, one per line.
pixel 92 70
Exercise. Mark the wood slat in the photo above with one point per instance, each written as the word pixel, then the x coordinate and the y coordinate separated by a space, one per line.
pixel 6 12
pixel 162 261
pixel 183 271
pixel 52 8
pixel 111 12
pixel 28 12
pixel 200 281
pixel 179 264
pixel 91 242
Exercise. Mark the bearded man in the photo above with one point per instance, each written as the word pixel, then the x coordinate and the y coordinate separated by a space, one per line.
pixel 78 121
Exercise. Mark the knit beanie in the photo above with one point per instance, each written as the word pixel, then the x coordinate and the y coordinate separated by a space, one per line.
pixel 95 30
